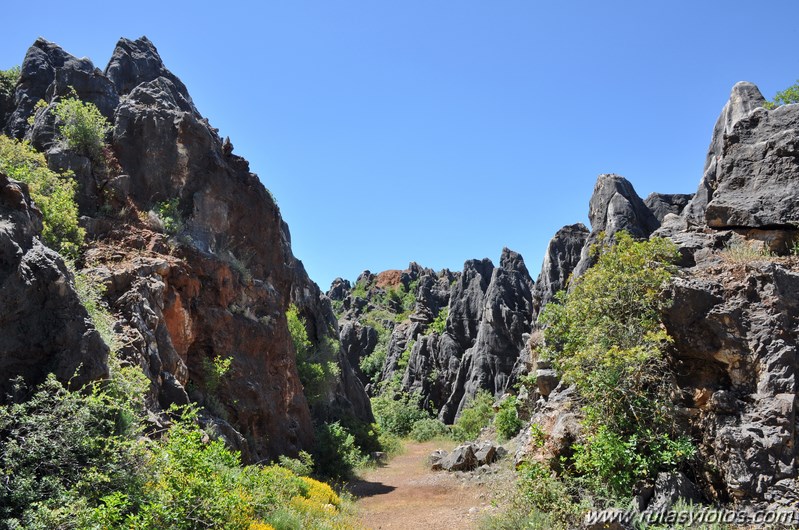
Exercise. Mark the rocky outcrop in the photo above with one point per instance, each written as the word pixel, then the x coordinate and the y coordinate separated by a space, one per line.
pixel 488 313
pixel 219 285
pixel 662 204
pixel 733 317
pixel 44 328
pixel 615 206
pixel 744 98
pixel 562 256
pixel 735 337
pixel 501 335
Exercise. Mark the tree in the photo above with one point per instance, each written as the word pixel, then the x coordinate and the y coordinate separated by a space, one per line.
pixel 606 337
pixel 784 97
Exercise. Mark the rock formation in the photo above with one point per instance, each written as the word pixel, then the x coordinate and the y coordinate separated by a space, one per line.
pixel 614 206
pixel 45 329
pixel 489 313
pixel 733 319
pixel 218 286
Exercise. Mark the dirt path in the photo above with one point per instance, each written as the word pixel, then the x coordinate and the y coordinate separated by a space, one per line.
pixel 405 494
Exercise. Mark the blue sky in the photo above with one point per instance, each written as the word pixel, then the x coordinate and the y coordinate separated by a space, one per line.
pixel 442 131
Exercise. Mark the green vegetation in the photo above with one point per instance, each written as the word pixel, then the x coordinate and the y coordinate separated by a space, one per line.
pixel 90 292
pixel 439 325
pixel 336 451
pixel 8 82
pixel 478 413
pixel 372 364
pixel 168 213
pixel 302 466
pixel 605 336
pixel 74 460
pixel 215 371
pixel 507 419
pixel 83 127
pixel 541 502
pixel 397 416
pixel 784 97
pixel 53 193
pixel 316 365
pixel 428 429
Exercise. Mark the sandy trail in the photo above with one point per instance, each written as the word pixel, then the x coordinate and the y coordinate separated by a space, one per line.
pixel 405 494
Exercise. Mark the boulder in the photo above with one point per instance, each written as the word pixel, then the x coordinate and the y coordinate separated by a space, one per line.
pixel 436 459
pixel 670 488
pixel 462 458
pixel 486 453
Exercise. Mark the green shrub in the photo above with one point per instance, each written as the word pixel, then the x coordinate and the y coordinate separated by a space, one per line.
pixel 67 462
pixel 397 416
pixel 53 193
pixel 215 371
pixel 302 466
pixel 541 502
pixel 784 97
pixel 439 325
pixel 478 413
pixel 507 419
pixel 336 454
pixel 391 444
pixel 168 213
pixel 83 127
pixel 60 447
pixel 317 367
pixel 90 292
pixel 372 365
pixel 605 336
pixel 8 82
pixel 427 429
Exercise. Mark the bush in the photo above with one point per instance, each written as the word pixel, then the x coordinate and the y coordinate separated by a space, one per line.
pixel 59 447
pixel 82 125
pixel 302 466
pixel 427 429
pixel 477 413
pixel 53 193
pixel 541 502
pixel 439 325
pixel 507 419
pixel 168 213
pixel 336 454
pixel 68 462
pixel 8 82
pixel 397 416
pixel 316 366
pixel 784 97
pixel 605 336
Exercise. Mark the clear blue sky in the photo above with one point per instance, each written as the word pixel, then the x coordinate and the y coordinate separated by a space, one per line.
pixel 441 131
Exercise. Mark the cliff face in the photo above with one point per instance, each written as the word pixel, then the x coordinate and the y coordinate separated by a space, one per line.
pixel 219 286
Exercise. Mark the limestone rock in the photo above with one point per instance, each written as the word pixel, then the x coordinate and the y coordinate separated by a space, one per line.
pixel 44 327
pixel 744 98
pixel 662 204
pixel 562 256
pixel 615 206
